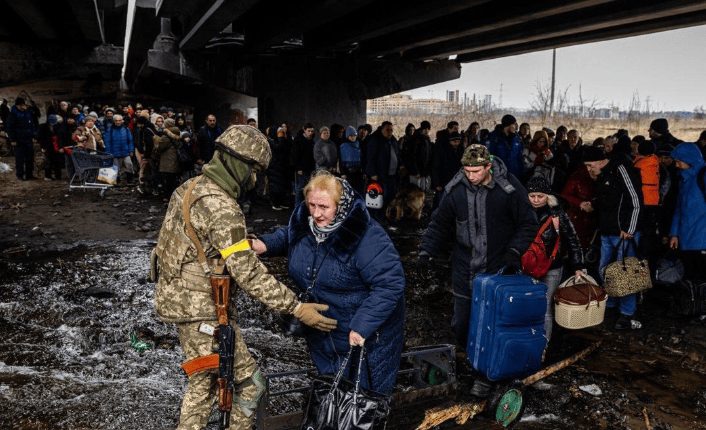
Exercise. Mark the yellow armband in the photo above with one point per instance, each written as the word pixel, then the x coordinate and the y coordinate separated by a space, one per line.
pixel 243 245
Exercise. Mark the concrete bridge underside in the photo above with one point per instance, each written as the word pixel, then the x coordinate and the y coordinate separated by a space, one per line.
pixel 314 60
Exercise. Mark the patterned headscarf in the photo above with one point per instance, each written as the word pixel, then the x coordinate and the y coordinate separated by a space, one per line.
pixel 344 208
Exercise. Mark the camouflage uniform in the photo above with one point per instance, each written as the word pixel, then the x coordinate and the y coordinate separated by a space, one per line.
pixel 184 296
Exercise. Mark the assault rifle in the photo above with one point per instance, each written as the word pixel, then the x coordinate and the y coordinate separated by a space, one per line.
pixel 226 347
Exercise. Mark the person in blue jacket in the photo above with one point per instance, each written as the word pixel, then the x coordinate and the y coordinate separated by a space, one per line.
pixel 505 144
pixel 688 231
pixel 345 259
pixel 118 141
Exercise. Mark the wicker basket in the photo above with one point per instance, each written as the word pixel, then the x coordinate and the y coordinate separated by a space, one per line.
pixel 579 305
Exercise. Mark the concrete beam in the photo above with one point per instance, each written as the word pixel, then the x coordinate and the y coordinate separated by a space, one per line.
pixel 381 18
pixel 31 12
pixel 217 17
pixel 141 29
pixel 572 23
pixel 293 19
pixel 323 91
pixel 21 63
pixel 485 17
pixel 89 20
pixel 628 30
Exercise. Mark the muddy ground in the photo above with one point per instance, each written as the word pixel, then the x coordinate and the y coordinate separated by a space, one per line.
pixel 73 288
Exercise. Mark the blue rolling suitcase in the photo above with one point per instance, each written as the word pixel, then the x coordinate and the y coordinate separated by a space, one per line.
pixel 506 334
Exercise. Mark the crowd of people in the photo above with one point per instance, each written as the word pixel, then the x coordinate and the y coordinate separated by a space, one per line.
pixel 596 203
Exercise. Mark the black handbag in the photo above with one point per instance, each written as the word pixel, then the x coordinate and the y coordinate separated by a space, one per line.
pixel 337 403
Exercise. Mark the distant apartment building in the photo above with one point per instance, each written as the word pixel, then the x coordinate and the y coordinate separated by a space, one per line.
pixel 405 103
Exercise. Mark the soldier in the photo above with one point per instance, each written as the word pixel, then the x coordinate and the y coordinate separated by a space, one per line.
pixel 184 296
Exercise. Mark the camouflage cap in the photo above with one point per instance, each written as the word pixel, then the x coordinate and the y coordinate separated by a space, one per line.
pixel 245 143
pixel 476 155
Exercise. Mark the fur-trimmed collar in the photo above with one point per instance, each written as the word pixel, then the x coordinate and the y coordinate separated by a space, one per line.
pixel 344 240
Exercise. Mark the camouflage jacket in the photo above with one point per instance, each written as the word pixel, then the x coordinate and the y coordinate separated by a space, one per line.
pixel 183 291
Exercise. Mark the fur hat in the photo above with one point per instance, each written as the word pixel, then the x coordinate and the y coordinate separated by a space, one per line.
pixel 508 120
pixel 538 184
pixel 660 125
pixel 476 155
pixel 593 153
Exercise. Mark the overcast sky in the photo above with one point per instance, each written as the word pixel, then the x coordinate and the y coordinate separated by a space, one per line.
pixel 669 67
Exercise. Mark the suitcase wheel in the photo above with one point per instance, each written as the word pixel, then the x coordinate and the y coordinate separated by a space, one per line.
pixel 507 406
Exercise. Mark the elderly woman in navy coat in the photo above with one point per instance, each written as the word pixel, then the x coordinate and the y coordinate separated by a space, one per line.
pixel 347 261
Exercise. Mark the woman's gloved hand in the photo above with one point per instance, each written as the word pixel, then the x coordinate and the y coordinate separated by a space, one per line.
pixel 308 313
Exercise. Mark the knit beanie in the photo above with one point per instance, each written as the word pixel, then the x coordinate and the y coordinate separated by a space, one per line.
pixel 323 130
pixel 351 131
pixel 51 119
pixel 508 120
pixel 660 125
pixel 593 153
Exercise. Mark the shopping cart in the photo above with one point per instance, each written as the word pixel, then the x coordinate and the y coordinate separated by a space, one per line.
pixel 86 165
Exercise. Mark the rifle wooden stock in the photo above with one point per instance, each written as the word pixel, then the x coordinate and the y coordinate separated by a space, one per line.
pixel 221 296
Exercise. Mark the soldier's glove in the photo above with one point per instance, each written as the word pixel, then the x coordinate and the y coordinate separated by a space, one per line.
pixel 512 263
pixel 308 313
pixel 422 261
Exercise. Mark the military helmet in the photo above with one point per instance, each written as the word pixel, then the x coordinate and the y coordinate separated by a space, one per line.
pixel 245 143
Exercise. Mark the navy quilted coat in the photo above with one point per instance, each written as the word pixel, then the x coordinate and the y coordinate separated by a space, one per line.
pixel 360 277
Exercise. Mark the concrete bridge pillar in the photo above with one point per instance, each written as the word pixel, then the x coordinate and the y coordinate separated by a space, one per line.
pixel 301 90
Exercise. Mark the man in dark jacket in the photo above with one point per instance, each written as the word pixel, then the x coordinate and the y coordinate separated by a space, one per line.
pixel 384 160
pixel 505 144
pixel 417 157
pixel 206 139
pixel 302 157
pixel 21 130
pixel 143 138
pixel 619 204
pixel 660 135
pixel 488 217
pixel 445 163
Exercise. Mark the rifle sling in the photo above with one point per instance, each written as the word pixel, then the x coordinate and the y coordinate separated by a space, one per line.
pixel 186 206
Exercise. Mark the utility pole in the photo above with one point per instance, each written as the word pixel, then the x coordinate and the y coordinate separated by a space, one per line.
pixel 500 101
pixel 551 102
pixel 647 103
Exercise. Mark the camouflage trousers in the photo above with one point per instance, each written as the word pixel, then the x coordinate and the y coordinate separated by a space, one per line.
pixel 201 390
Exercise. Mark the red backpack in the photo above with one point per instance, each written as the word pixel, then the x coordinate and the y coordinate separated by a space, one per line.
pixel 535 261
